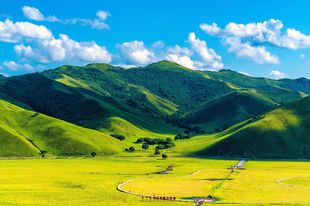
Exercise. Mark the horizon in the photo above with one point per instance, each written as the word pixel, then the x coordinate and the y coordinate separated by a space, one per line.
pixel 265 42
pixel 136 67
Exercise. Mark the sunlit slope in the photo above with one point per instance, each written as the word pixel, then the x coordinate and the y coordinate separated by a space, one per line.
pixel 227 110
pixel 71 100
pixel 146 101
pixel 281 133
pixel 27 133
pixel 279 91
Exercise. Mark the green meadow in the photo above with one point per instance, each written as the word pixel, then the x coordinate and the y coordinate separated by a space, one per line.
pixel 79 181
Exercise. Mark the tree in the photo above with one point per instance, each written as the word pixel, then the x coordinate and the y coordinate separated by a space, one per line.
pixel 42 153
pixel 118 136
pixel 164 156
pixel 93 154
pixel 156 152
pixel 145 146
pixel 131 149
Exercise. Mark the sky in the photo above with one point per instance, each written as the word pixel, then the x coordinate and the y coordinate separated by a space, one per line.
pixel 257 38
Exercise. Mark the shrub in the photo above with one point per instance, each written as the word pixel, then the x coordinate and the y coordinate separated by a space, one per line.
pixel 42 153
pixel 93 154
pixel 118 136
pixel 156 152
pixel 145 146
pixel 164 156
pixel 131 149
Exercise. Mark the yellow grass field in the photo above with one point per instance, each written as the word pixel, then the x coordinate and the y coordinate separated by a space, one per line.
pixel 94 181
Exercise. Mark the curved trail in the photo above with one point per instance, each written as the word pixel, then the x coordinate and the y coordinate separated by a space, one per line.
pixel 279 181
pixel 119 188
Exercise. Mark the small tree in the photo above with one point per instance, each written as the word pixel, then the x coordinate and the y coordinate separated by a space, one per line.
pixel 145 146
pixel 93 154
pixel 156 152
pixel 42 153
pixel 131 149
pixel 164 156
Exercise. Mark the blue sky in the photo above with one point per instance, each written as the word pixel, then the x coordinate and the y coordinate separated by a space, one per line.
pixel 259 38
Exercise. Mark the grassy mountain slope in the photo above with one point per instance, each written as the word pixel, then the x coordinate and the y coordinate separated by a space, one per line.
pixel 301 84
pixel 26 133
pixel 281 133
pixel 138 102
pixel 276 90
pixel 227 110
pixel 80 102
pixel 184 87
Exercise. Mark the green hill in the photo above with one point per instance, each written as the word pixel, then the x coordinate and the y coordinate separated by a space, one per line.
pixel 227 110
pixel 159 100
pixel 27 133
pixel 281 133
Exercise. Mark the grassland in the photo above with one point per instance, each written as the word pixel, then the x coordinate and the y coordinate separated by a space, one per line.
pixel 93 181
pixel 28 133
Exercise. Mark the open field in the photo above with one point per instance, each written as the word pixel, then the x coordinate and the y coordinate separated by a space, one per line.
pixel 93 181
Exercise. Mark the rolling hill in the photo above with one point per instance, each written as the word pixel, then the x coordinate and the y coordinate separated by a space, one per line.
pixel 227 110
pixel 281 133
pixel 29 133
pixel 158 100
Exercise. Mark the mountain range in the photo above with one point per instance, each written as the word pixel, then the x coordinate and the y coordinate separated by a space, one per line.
pixel 73 110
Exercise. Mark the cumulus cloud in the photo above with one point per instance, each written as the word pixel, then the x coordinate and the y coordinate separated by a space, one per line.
pixel 37 43
pixel 102 15
pixel 277 74
pixel 196 55
pixel 258 54
pixel 207 56
pixel 32 13
pixel 63 49
pixel 211 29
pixel 13 66
pixel 97 23
pixel 255 36
pixel 22 31
pixel 135 52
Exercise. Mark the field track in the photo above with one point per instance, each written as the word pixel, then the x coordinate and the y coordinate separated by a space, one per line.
pixel 237 166
pixel 291 185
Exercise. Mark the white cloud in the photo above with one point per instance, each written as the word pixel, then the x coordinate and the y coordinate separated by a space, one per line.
pixel 254 36
pixel 135 52
pixel 277 74
pixel 63 49
pixel 13 66
pixel 211 29
pixel 258 54
pixel 194 56
pixel 32 13
pixel 102 15
pixel 182 60
pixel 97 23
pixel 19 31
pixel 207 56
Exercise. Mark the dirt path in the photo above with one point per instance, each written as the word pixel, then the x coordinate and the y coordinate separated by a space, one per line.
pixel 233 169
pixel 119 188
pixel 239 165
pixel 279 181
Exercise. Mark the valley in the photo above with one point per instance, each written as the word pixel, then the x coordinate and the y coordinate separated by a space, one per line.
pixel 156 135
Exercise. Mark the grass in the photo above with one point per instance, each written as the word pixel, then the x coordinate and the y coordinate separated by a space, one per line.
pixel 281 133
pixel 27 133
pixel 298 181
pixel 86 182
